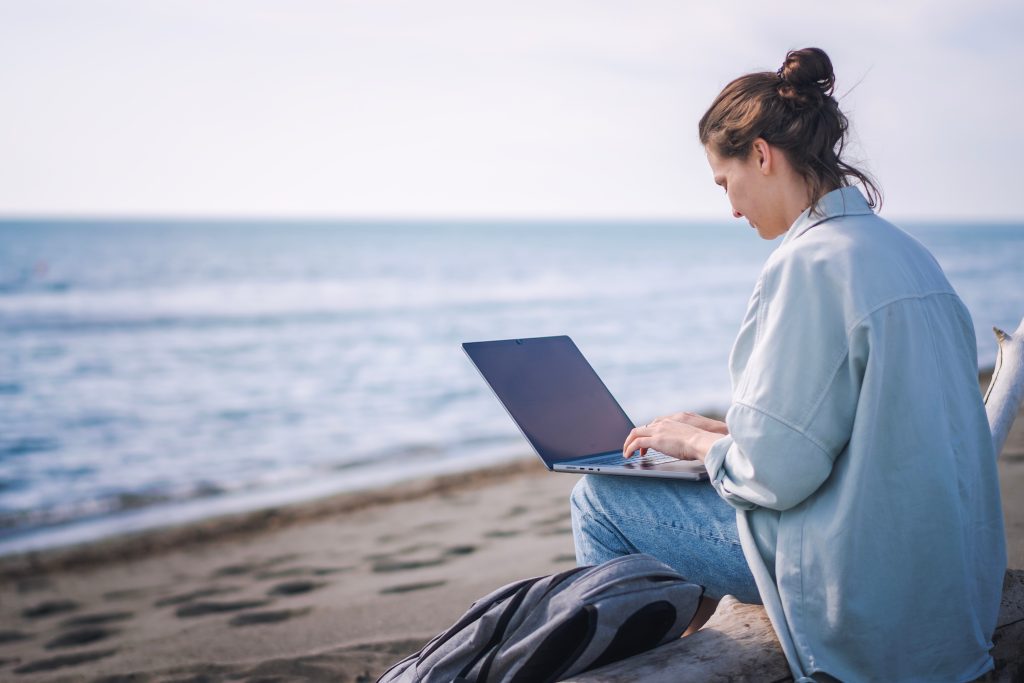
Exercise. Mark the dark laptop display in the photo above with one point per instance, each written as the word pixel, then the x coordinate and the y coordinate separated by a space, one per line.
pixel 553 394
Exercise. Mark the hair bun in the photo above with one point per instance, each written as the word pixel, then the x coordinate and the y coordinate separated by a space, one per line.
pixel 807 76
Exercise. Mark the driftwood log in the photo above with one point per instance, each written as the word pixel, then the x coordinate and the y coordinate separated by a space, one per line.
pixel 738 642
pixel 1003 398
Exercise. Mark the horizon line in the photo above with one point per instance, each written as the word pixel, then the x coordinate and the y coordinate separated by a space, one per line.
pixel 88 217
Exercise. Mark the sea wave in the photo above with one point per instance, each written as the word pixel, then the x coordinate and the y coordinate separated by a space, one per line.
pixel 256 303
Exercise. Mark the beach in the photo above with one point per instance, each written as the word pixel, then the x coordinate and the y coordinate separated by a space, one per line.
pixel 334 589
pixel 258 261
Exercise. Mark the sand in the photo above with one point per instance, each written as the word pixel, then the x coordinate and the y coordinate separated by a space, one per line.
pixel 330 590
pixel 325 595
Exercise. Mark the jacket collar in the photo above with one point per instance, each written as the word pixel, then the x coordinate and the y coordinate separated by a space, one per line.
pixel 842 201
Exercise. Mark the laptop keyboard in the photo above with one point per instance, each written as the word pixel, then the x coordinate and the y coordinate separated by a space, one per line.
pixel 652 458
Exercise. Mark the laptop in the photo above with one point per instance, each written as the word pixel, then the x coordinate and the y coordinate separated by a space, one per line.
pixel 565 411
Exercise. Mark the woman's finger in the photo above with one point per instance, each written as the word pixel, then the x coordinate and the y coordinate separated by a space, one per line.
pixel 635 433
pixel 637 443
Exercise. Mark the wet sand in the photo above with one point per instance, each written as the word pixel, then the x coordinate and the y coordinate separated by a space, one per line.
pixel 330 590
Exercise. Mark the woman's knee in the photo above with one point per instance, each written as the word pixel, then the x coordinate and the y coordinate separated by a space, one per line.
pixel 595 494
pixel 584 497
pixel 596 537
pixel 578 496
pixel 589 505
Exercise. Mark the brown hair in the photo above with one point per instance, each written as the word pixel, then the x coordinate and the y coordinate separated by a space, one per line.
pixel 794 110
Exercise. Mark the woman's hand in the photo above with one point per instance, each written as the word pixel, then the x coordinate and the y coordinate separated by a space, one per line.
pixel 706 423
pixel 671 437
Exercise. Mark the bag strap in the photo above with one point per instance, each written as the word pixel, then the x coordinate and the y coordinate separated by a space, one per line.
pixel 555 580
pixel 471 615
pixel 474 613
pixel 499 629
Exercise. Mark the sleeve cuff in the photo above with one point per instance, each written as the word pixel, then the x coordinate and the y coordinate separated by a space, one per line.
pixel 715 457
pixel 714 463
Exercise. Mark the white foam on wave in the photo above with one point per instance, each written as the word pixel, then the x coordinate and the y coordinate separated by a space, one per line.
pixel 241 300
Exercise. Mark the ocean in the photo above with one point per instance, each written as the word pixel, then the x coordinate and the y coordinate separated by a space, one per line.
pixel 156 372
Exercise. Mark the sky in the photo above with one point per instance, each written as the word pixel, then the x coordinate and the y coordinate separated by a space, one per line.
pixel 474 109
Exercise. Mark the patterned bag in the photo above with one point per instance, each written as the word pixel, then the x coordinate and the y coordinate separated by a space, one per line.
pixel 552 627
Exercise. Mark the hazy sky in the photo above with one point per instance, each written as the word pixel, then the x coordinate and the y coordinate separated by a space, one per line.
pixel 531 108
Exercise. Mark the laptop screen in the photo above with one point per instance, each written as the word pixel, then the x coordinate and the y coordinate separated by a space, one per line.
pixel 553 394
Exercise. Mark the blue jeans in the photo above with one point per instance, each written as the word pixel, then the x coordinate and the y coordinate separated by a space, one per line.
pixel 685 524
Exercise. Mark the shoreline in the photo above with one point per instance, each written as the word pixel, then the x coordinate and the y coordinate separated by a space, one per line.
pixel 241 525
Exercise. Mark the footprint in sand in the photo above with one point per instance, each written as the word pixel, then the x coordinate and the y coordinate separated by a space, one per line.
pixel 387 563
pixel 408 587
pixel 240 569
pixel 49 608
pixel 303 571
pixel 406 550
pixel 235 570
pixel 516 511
pixel 373 557
pixel 131 593
pixel 294 588
pixel 13 636
pixel 200 609
pixel 62 661
pixel 268 617
pixel 502 533
pixel 324 571
pixel 80 636
pixel 384 566
pixel 96 619
pixel 195 595
pixel 563 558
pixel 560 518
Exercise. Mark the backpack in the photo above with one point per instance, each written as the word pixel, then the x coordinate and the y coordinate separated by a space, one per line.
pixel 555 626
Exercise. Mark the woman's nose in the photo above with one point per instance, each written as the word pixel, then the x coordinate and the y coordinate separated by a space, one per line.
pixel 736 214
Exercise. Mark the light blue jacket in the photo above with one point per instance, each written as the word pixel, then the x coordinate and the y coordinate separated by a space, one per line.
pixel 859 459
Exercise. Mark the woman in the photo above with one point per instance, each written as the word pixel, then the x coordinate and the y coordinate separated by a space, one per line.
pixel 853 485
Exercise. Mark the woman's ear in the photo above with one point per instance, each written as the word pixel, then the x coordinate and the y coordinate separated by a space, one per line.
pixel 764 155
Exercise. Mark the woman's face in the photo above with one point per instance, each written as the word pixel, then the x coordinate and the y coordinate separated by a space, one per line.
pixel 750 190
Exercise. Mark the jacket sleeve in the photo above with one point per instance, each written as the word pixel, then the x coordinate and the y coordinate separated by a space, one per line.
pixel 794 403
